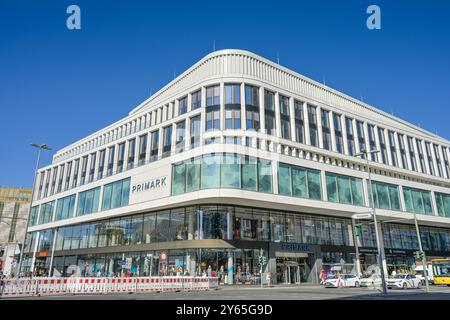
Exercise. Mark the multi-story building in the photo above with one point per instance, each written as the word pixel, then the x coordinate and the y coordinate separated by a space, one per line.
pixel 14 209
pixel 235 158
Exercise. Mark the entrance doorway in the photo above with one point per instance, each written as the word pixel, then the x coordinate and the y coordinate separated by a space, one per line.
pixel 292 270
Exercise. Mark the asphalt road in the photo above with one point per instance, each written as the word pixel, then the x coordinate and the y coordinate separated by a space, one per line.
pixel 297 292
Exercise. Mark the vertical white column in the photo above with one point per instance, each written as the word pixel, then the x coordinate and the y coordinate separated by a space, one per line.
pixel 136 150
pixel 222 106
pixel 116 152
pixel 292 118
pixel 324 185
pixel 388 147
pixel 262 113
pixel 306 122
pixel 160 142
pixel 319 126
pixel 243 113
pixel 355 137
pixel 366 137
pixel 203 113
pixel 125 155
pixel 189 102
pixel 378 144
pixel 433 203
pixel 277 115
pixel 173 140
pixel 332 132
pixel 148 146
pixel 88 166
pixel 187 134
pixel 344 134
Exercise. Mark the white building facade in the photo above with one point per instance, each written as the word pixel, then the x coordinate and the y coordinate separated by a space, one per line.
pixel 235 158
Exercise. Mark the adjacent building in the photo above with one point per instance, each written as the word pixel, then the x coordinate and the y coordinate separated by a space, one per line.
pixel 14 209
pixel 237 158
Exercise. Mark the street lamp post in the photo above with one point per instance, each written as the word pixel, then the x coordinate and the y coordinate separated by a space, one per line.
pixel 40 148
pixel 377 235
pixel 424 266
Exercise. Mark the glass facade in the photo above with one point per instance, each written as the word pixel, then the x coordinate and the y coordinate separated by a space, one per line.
pixel 116 194
pixel 252 108
pixel 344 189
pixel 418 201
pixel 222 170
pixel 232 106
pixel 46 212
pixel 65 207
pixel 385 196
pixel 285 117
pixel 299 182
pixel 312 119
pixel 88 201
pixel 443 204
pixel 269 112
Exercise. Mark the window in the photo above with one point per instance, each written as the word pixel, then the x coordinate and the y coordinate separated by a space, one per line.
pixel 154 146
pixel 385 195
pixel 269 111
pixel 412 154
pixel 446 163
pixel 181 128
pixel 373 146
pixel 350 137
pixel 92 167
pixel 421 158
pixel 131 151
pixel 83 170
pixel 46 212
pixel 312 119
pixel 68 173
pixel 442 204
pixel 232 106
pixel 393 148
pixel 429 158
pixel 344 189
pixel 101 164
pixel 75 173
pixel 116 194
pixel 338 133
pixel 167 141
pixel 33 215
pixel 361 136
pixel 438 159
pixel 88 201
pixel 61 177
pixel 121 157
pixel 142 149
pixel 401 144
pixel 65 207
pixel 382 145
pixel 284 117
pixel 299 122
pixel 226 170
pixel 213 108
pixel 326 136
pixel 195 131
pixel 182 106
pixel 196 100
pixel 299 182
pixel 252 107
pixel 418 201
pixel 110 161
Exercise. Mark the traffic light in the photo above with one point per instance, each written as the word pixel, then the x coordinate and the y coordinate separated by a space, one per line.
pixel 419 254
pixel 262 260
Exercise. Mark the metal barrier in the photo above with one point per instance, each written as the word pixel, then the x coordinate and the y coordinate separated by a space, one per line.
pixel 75 285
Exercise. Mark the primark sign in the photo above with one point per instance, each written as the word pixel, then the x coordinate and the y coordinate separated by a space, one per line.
pixel 149 185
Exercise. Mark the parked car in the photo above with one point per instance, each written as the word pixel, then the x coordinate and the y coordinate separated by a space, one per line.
pixel 371 280
pixel 346 280
pixel 404 281
pixel 421 276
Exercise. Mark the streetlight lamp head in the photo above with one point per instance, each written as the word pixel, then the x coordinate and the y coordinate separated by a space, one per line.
pixel 35 145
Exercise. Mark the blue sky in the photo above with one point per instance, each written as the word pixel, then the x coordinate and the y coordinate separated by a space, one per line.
pixel 58 85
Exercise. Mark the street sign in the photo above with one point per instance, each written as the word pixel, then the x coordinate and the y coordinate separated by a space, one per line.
pixel 363 215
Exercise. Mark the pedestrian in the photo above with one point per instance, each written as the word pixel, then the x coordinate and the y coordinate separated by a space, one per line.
pixel 323 276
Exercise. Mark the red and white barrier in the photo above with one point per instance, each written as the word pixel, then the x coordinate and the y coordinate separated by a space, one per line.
pixel 75 285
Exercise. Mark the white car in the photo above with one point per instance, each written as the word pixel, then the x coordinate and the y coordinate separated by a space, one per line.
pixel 346 280
pixel 421 276
pixel 404 281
